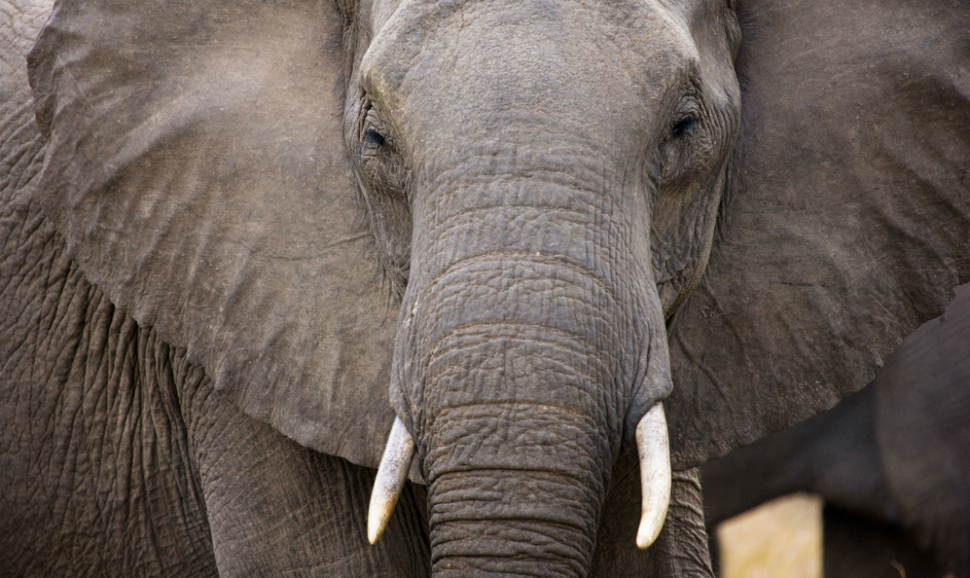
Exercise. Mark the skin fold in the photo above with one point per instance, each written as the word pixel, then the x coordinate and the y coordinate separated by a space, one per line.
pixel 240 239
pixel 890 462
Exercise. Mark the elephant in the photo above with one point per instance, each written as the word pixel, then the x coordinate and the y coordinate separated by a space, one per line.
pixel 448 288
pixel 891 463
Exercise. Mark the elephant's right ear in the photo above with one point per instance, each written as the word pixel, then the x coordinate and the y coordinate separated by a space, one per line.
pixel 196 169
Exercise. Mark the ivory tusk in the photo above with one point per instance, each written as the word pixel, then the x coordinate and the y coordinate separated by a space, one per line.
pixel 391 475
pixel 653 445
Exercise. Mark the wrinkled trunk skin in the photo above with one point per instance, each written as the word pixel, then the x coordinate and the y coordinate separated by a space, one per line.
pixel 490 517
pixel 517 441
pixel 527 334
pixel 518 453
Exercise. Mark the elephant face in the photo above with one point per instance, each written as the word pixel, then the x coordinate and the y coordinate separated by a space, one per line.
pixel 552 196
pixel 557 223
pixel 647 117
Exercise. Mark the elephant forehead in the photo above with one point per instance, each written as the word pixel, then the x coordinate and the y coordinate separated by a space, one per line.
pixel 586 68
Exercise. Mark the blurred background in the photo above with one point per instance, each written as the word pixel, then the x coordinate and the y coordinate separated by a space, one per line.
pixel 782 538
pixel 892 463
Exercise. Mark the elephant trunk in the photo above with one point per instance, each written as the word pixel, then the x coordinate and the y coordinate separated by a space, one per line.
pixel 514 489
pixel 518 428
pixel 530 333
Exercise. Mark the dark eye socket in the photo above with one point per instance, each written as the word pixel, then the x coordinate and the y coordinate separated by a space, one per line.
pixel 372 137
pixel 683 125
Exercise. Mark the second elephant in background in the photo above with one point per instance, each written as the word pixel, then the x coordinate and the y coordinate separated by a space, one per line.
pixel 892 463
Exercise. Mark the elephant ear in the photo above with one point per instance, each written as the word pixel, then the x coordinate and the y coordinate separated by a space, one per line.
pixel 847 216
pixel 196 170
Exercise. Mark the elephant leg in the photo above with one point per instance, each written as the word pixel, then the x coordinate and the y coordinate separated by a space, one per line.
pixel 680 550
pixel 278 509
pixel 856 546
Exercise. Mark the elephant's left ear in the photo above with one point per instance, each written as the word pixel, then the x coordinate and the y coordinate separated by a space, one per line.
pixel 846 222
pixel 197 171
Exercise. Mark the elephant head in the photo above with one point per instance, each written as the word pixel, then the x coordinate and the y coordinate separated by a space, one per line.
pixel 536 273
pixel 531 189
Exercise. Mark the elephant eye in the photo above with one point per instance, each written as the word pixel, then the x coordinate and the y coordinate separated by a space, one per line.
pixel 380 166
pixel 373 138
pixel 683 125
pixel 684 143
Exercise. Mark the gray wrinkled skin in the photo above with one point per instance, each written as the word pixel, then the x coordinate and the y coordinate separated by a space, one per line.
pixel 891 462
pixel 264 229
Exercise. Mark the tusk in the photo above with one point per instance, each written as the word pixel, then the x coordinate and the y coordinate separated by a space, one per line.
pixel 391 475
pixel 654 449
